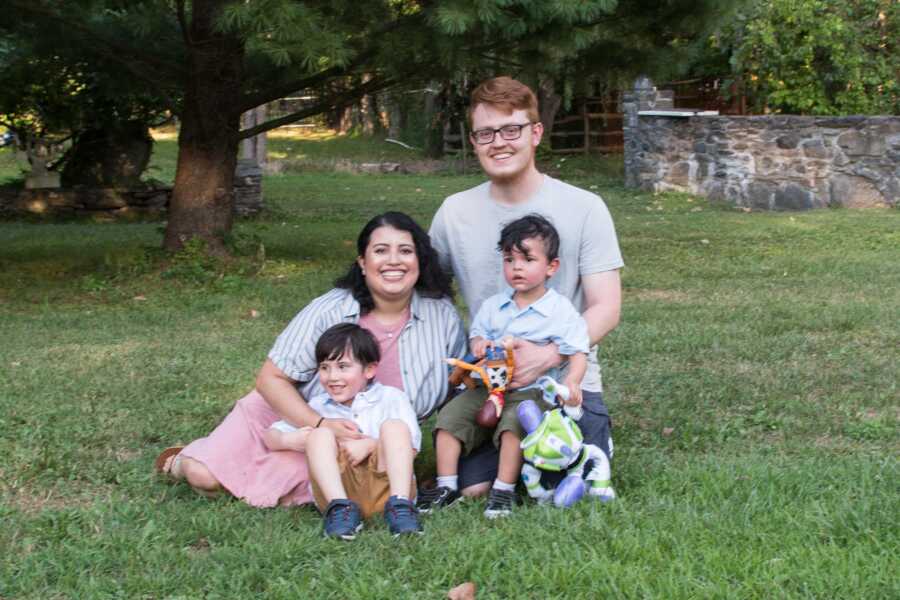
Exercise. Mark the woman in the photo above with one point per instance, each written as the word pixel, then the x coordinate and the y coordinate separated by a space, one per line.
pixel 395 289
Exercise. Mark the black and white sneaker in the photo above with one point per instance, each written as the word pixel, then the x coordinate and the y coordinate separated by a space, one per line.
pixel 439 497
pixel 500 503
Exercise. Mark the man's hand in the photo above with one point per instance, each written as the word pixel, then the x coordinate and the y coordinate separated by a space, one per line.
pixel 532 361
pixel 343 429
pixel 358 450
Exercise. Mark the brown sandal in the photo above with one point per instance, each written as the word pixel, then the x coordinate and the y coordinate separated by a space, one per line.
pixel 160 464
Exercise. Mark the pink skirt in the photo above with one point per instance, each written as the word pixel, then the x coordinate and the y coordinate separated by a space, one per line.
pixel 239 459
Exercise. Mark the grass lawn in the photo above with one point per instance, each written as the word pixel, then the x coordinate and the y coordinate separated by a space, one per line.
pixel 753 384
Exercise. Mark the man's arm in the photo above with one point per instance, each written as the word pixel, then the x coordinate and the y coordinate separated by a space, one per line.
pixel 603 305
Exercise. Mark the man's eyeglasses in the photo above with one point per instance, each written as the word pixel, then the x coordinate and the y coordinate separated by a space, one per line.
pixel 507 132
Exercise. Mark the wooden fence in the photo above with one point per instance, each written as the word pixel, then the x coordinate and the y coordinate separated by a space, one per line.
pixel 594 124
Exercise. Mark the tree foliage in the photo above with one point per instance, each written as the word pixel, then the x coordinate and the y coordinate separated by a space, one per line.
pixel 821 57
pixel 208 61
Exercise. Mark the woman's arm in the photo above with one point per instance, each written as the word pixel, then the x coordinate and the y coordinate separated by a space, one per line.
pixel 280 392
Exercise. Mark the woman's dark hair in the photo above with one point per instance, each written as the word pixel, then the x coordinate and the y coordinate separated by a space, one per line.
pixel 337 339
pixel 530 226
pixel 433 281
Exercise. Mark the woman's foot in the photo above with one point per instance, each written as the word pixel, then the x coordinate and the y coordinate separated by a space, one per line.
pixel 168 463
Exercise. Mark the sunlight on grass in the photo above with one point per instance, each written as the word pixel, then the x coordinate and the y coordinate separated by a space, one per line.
pixel 752 384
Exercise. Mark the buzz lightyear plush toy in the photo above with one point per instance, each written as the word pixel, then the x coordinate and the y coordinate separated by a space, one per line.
pixel 554 444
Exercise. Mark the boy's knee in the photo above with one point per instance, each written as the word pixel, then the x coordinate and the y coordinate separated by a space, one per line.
pixel 393 428
pixel 321 437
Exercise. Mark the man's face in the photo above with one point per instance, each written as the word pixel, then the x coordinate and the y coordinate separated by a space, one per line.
pixel 505 160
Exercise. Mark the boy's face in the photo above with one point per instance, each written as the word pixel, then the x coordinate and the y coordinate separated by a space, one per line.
pixel 344 377
pixel 505 160
pixel 524 271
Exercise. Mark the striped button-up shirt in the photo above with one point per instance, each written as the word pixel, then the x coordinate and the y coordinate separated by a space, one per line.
pixel 434 332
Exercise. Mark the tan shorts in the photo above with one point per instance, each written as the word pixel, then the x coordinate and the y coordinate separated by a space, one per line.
pixel 364 484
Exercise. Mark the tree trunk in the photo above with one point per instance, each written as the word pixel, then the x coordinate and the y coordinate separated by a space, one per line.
pixel 549 102
pixel 434 121
pixel 202 199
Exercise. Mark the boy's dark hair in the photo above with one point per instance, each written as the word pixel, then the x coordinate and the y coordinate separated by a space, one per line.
pixel 530 226
pixel 335 341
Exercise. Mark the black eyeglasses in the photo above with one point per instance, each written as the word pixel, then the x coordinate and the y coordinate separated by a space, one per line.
pixel 507 132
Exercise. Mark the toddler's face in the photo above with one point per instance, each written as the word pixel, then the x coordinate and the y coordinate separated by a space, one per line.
pixel 344 377
pixel 527 270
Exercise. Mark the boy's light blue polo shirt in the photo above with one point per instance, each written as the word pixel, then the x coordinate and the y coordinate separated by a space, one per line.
pixel 552 318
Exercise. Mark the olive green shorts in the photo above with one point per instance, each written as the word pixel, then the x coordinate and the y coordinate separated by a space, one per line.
pixel 458 417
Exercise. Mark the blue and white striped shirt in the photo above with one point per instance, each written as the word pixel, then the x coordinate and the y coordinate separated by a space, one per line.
pixel 434 332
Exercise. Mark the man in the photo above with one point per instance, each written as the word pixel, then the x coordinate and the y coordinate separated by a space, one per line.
pixel 506 130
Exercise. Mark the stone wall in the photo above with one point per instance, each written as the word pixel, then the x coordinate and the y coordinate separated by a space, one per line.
pixel 778 162
pixel 87 202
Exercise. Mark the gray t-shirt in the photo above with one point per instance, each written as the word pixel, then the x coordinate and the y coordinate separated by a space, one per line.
pixel 466 228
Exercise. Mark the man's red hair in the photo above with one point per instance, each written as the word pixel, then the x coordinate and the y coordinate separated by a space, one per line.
pixel 507 94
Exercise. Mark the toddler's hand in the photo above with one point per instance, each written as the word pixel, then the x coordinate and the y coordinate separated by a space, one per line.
pixel 479 347
pixel 358 450
pixel 574 393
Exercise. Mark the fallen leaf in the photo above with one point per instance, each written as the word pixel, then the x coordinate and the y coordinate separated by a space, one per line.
pixel 464 591
pixel 668 430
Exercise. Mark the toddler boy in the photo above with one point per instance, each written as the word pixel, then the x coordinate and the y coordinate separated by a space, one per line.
pixel 529 310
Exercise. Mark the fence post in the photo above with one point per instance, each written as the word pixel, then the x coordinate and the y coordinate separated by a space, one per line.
pixel 587 127
pixel 254 148
pixel 643 93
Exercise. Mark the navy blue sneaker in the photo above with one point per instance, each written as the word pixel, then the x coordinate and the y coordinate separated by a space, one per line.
pixel 342 519
pixel 401 516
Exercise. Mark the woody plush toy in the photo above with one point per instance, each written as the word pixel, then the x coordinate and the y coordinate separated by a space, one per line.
pixel 496 371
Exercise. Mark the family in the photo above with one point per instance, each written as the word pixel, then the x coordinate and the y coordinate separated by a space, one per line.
pixel 334 417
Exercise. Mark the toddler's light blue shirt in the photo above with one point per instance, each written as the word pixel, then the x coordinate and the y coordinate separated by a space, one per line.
pixel 552 318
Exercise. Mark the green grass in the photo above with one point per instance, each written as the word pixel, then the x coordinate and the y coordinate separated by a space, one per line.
pixel 752 382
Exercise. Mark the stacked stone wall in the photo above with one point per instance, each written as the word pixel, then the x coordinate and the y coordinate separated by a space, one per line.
pixel 772 162
pixel 110 202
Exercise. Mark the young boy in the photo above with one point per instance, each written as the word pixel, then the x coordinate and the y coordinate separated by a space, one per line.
pixel 351 480
pixel 527 310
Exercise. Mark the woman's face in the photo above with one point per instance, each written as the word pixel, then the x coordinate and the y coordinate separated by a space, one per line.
pixel 390 264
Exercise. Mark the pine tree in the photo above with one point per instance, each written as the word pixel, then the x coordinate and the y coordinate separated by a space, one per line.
pixel 211 60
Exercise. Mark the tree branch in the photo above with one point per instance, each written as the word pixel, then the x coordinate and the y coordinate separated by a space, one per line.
pixel 182 22
pixel 330 102
pixel 165 71
pixel 249 101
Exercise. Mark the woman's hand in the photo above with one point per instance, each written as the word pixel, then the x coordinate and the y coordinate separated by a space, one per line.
pixel 358 450
pixel 343 429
